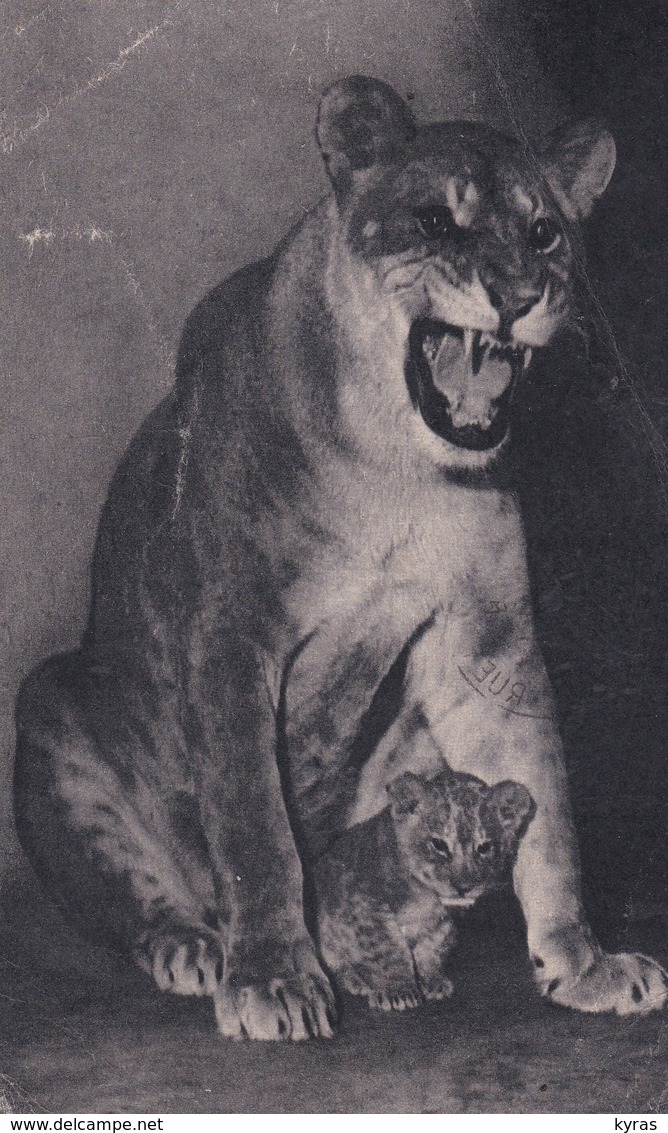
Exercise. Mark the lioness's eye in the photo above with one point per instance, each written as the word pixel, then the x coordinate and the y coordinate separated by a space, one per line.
pixel 441 848
pixel 484 849
pixel 435 221
pixel 543 235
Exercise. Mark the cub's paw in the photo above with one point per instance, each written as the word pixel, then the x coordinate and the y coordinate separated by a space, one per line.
pixel 275 991
pixel 439 988
pixel 380 993
pixel 183 960
pixel 626 984
pixel 393 1001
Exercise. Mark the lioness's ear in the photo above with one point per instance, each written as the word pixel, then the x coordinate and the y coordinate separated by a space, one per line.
pixel 361 122
pixel 578 162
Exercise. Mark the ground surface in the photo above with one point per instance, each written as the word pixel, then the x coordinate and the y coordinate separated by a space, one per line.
pixel 82 1032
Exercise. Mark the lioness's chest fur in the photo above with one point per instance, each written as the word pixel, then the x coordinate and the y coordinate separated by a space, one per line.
pixel 438 545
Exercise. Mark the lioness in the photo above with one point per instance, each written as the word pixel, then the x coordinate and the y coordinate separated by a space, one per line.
pixel 317 513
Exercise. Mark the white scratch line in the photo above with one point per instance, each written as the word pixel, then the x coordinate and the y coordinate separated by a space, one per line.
pixel 132 280
pixel 18 136
pixel 164 354
pixel 119 62
pixel 37 236
pixel 185 436
pixel 91 233
pixel 21 28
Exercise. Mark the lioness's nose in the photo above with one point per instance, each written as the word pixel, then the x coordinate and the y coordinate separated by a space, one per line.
pixel 510 309
pixel 510 313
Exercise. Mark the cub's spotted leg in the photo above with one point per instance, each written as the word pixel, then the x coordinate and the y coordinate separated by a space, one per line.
pixel 487 701
pixel 429 955
pixel 368 954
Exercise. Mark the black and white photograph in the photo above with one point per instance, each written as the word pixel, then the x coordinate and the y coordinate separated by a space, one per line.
pixel 334 558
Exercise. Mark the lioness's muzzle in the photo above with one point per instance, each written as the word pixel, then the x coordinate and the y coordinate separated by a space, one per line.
pixel 462 381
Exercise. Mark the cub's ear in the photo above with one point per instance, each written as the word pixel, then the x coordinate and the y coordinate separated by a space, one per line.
pixel 514 804
pixel 361 122
pixel 406 792
pixel 578 161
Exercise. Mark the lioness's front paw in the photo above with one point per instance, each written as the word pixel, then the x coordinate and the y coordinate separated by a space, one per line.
pixel 183 959
pixel 274 991
pixel 626 983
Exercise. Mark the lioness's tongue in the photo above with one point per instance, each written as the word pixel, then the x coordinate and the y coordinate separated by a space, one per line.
pixel 469 395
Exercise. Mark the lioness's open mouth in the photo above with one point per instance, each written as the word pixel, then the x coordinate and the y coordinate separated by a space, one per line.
pixel 462 381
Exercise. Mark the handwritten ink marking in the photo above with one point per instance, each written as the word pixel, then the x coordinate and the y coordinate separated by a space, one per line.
pixel 491 670
pixel 494 607
pixel 516 693
pixel 486 672
pixel 476 604
pixel 489 676
pixel 470 682
pixel 492 684
pixel 527 715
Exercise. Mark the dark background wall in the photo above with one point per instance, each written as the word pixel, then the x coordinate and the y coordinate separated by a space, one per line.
pixel 596 466
pixel 148 149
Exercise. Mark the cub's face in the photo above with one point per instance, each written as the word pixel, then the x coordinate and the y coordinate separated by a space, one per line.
pixel 456 248
pixel 457 836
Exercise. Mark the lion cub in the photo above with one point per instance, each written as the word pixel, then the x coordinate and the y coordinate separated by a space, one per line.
pixel 388 888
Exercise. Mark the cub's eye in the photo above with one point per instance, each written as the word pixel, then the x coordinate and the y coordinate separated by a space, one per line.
pixel 543 235
pixel 484 850
pixel 441 848
pixel 435 221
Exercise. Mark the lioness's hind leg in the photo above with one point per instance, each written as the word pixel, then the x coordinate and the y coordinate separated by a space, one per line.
pixel 123 860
